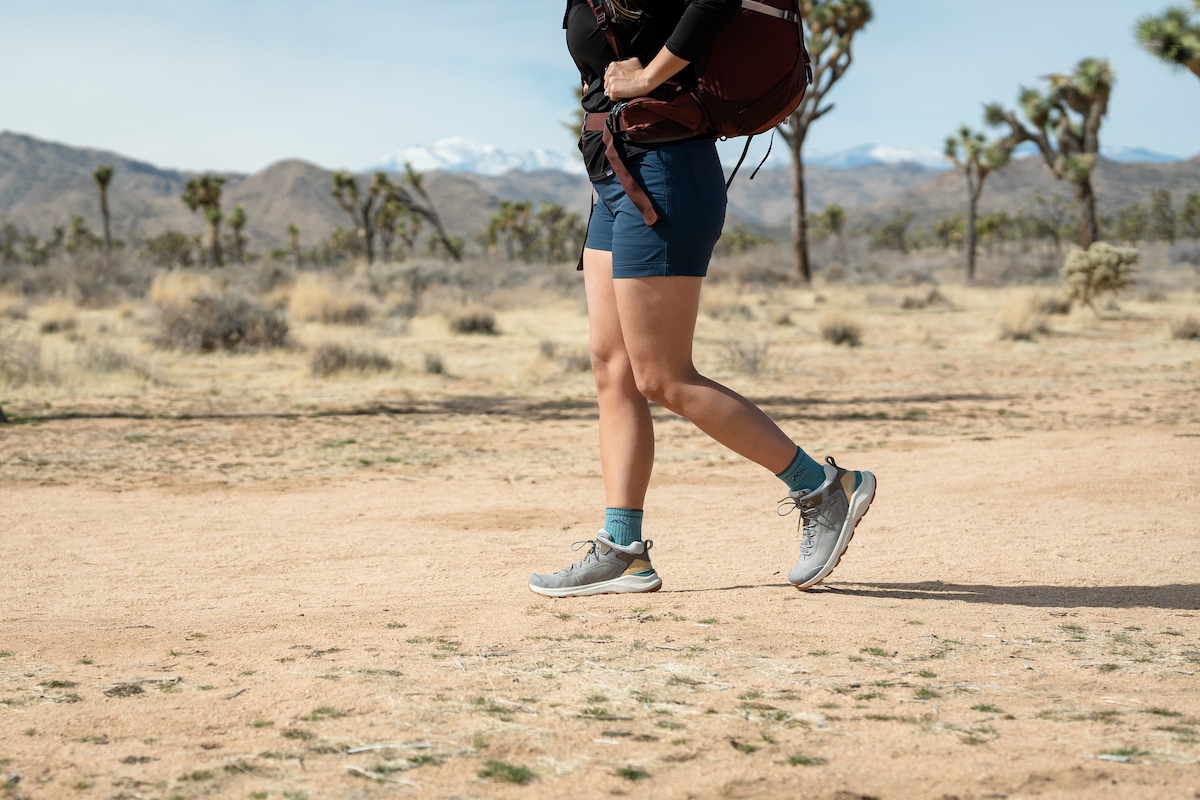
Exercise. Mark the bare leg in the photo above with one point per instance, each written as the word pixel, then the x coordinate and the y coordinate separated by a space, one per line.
pixel 626 429
pixel 658 319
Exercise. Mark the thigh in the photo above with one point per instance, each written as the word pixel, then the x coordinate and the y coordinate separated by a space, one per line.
pixel 604 323
pixel 658 322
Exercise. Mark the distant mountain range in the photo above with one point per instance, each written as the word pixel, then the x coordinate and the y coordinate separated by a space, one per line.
pixel 43 184
pixel 466 155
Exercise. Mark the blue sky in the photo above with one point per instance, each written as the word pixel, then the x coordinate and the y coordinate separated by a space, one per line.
pixel 217 84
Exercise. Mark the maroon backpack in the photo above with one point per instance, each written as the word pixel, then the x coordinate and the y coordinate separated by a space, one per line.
pixel 756 76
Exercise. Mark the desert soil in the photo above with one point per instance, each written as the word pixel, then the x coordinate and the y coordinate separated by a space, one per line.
pixel 244 582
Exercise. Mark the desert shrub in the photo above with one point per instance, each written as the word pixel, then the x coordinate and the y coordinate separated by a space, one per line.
pixel 745 355
pixel 20 357
pixel 1101 269
pixel 434 364
pixel 319 298
pixel 106 359
pixel 1021 320
pixel 838 329
pixel 483 322
pixel 330 359
pixel 931 298
pixel 220 322
pixel 1053 306
pixel 171 249
pixel 13 307
pixel 570 361
pixel 59 317
pixel 1186 329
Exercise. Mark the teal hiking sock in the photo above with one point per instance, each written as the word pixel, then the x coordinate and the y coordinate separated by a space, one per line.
pixel 804 474
pixel 624 525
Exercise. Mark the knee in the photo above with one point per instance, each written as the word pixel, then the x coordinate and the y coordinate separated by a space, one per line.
pixel 659 387
pixel 612 373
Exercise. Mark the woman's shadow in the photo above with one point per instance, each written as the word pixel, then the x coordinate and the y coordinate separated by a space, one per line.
pixel 1175 596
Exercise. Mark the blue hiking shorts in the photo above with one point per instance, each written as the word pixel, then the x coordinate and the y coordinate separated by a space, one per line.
pixel 687 185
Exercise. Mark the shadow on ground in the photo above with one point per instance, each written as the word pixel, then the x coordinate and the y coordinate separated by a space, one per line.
pixel 1176 596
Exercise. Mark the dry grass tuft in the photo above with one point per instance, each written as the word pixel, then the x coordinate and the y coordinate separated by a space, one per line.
pixel 481 322
pixel 177 288
pixel 1021 320
pixel 13 307
pixel 838 329
pixel 1186 329
pixel 20 358
pixel 747 356
pixel 332 359
pixel 59 317
pixel 1053 305
pixel 321 298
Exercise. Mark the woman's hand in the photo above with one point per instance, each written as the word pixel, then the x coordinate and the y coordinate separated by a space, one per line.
pixel 626 79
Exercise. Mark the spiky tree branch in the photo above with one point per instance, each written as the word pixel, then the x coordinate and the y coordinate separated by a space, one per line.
pixel 1173 36
pixel 1064 123
pixel 832 26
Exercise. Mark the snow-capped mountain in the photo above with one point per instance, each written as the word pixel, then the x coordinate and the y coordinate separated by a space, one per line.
pixel 466 155
pixel 866 154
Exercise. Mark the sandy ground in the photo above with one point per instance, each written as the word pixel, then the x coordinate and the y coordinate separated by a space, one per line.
pixel 245 586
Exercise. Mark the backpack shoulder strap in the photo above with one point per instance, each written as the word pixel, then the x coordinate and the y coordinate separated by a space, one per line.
pixel 604 22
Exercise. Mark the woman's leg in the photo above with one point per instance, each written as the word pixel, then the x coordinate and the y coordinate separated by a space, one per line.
pixel 626 430
pixel 657 318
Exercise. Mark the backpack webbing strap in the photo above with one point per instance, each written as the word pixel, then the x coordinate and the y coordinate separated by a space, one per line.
pixel 601 9
pixel 598 121
pixel 763 8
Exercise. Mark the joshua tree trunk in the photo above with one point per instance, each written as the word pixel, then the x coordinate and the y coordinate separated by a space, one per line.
pixel 214 243
pixel 107 221
pixel 800 223
pixel 3 419
pixel 1085 200
pixel 972 237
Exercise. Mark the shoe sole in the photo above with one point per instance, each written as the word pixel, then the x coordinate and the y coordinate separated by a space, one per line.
pixel 859 506
pixel 626 584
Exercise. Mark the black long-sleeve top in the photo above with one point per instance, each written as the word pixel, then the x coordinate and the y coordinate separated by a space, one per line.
pixel 687 28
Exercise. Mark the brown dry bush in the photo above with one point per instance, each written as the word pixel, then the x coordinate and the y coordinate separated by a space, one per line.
pixel 1186 329
pixel 483 322
pixel 838 329
pixel 220 322
pixel 330 359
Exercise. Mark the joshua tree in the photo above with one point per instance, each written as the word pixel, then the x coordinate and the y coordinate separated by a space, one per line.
pixel 205 193
pixel 1162 216
pixel 361 205
pixel 833 220
pixel 1070 146
pixel 365 207
pixel 832 25
pixel 102 176
pixel 1173 36
pixel 237 221
pixel 294 244
pixel 976 158
pixel 1189 216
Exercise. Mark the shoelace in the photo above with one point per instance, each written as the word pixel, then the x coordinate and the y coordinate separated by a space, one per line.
pixel 807 524
pixel 591 554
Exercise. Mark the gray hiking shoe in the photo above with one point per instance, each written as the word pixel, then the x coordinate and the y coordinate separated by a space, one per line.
pixel 828 517
pixel 608 568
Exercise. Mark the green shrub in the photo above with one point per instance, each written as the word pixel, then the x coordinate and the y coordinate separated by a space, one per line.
pixel 1101 269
